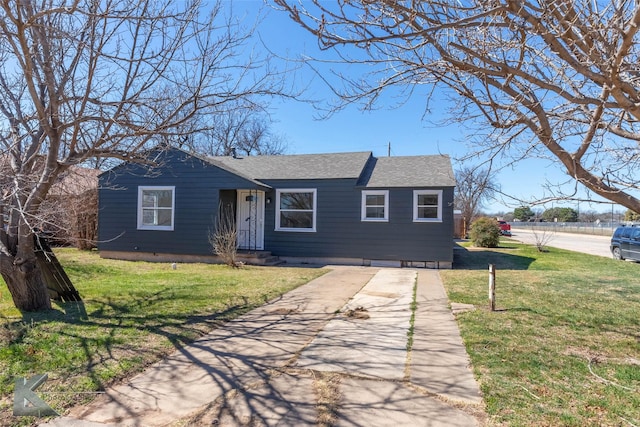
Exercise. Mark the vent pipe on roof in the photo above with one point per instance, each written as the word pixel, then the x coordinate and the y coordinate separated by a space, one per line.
pixel 234 153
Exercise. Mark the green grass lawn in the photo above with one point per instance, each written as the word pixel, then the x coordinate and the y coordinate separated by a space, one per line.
pixel 563 347
pixel 132 314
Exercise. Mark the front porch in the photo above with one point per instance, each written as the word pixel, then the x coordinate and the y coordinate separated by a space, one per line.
pixel 245 208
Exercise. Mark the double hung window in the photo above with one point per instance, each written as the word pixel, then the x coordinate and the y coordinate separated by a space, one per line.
pixel 375 205
pixel 427 205
pixel 156 208
pixel 296 210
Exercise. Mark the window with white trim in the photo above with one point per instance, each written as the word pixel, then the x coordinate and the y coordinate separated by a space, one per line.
pixel 296 210
pixel 156 206
pixel 427 205
pixel 375 205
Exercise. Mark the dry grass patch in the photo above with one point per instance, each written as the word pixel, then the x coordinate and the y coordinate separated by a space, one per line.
pixel 326 386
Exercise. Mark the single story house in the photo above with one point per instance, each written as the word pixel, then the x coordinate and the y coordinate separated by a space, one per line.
pixel 349 208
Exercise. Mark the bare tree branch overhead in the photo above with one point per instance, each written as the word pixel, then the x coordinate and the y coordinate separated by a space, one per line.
pixel 97 79
pixel 243 131
pixel 553 79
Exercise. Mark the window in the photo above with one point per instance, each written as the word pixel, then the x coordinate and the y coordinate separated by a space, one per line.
pixel 375 205
pixel 296 210
pixel 155 208
pixel 427 205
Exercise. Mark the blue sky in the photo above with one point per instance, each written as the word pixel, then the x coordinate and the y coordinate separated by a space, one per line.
pixel 405 128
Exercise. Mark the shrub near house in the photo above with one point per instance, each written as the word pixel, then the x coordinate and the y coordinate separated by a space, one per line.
pixel 485 233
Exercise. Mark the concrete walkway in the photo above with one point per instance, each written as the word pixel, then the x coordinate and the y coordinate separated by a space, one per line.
pixel 331 352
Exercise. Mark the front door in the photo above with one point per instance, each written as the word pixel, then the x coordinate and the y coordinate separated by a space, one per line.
pixel 250 219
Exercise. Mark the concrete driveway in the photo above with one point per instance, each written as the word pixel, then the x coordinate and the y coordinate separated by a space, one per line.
pixel 585 243
pixel 331 352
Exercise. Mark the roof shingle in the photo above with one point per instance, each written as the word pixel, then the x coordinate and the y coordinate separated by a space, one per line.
pixel 412 171
pixel 297 166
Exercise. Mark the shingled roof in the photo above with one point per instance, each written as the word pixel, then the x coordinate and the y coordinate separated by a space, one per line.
pixel 371 172
pixel 297 166
pixel 411 171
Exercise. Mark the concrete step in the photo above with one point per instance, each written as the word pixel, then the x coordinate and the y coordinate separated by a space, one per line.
pixel 258 258
pixel 271 261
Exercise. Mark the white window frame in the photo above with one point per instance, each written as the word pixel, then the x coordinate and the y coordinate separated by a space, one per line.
pixel 142 226
pixel 314 211
pixel 363 213
pixel 417 193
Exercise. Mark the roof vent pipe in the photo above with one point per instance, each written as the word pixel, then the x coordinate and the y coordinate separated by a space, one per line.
pixel 233 153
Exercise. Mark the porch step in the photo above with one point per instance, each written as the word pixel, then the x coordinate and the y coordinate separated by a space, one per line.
pixel 258 258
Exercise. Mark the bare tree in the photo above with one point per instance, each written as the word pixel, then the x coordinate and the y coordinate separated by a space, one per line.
pixel 588 216
pixel 224 239
pixel 556 79
pixel 242 130
pixel 98 79
pixel 542 238
pixel 474 186
pixel 258 139
pixel 69 214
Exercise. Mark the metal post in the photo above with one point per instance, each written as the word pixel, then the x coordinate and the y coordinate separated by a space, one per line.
pixel 492 287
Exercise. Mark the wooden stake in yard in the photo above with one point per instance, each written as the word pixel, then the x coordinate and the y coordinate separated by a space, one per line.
pixel 492 287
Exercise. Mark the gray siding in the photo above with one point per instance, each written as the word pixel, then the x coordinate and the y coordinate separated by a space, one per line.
pixel 341 233
pixel 200 185
pixel 197 192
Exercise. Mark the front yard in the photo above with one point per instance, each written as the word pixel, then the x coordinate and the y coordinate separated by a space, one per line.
pixel 563 349
pixel 133 314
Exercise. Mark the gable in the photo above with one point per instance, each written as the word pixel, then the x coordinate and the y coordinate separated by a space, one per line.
pixel 175 164
pixel 409 172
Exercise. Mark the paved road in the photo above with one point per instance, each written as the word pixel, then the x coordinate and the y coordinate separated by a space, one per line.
pixel 585 243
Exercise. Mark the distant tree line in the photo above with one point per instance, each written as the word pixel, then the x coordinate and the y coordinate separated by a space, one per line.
pixel 476 186
pixel 566 214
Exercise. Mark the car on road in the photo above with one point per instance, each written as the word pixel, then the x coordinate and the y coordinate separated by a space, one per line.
pixel 625 242
pixel 505 228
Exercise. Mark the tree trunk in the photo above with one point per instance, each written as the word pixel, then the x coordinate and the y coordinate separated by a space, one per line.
pixel 26 285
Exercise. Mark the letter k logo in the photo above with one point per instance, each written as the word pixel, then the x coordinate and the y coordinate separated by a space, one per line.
pixel 25 401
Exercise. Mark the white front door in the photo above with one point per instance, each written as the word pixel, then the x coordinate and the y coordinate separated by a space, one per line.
pixel 250 219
